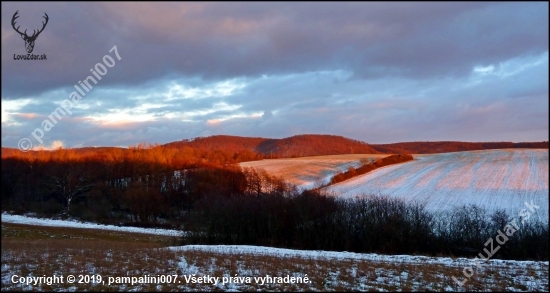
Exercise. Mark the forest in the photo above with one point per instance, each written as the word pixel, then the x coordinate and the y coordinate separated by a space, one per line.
pixel 208 195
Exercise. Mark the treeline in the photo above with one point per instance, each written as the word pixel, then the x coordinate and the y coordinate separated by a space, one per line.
pixel 369 166
pixel 314 145
pixel 170 156
pixel 295 146
pixel 432 147
pixel 310 220
pixel 216 142
pixel 107 184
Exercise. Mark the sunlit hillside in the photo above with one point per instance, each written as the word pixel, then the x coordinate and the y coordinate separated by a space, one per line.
pixel 308 172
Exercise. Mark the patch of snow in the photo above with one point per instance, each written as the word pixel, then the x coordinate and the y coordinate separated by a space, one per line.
pixel 344 255
pixel 17 219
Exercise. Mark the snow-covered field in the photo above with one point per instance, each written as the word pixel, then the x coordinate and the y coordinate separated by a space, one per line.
pixel 17 219
pixel 494 179
pixel 252 268
pixel 343 255
pixel 375 272
pixel 309 172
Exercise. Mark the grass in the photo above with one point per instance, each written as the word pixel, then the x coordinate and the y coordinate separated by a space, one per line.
pixel 47 251
pixel 29 232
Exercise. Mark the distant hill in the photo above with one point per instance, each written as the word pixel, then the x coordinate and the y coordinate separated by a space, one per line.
pixel 220 142
pixel 314 145
pixel 432 147
pixel 13 152
pixel 295 146
pixel 237 148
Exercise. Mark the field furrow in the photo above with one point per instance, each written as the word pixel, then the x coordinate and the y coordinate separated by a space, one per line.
pixel 493 179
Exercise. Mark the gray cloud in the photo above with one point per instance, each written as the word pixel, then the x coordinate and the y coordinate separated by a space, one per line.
pixel 380 72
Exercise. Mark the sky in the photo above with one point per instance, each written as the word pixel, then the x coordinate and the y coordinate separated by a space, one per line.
pixel 373 71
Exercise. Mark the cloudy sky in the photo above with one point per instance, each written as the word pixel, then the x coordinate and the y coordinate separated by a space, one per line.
pixel 377 72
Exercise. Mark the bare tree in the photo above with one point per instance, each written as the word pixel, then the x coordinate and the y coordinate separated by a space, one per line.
pixel 71 182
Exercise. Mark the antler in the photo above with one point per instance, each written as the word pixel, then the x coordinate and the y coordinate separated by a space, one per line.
pixel 15 16
pixel 35 34
pixel 43 27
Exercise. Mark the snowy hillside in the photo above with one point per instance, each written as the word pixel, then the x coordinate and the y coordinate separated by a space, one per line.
pixel 309 172
pixel 494 179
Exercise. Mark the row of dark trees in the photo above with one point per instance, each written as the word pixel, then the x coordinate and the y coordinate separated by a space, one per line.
pixel 370 166
pixel 381 224
pixel 432 147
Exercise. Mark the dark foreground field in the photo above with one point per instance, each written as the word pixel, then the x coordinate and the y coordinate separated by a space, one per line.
pixel 46 251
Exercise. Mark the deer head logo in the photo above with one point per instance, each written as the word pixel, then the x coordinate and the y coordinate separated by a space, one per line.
pixel 29 40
